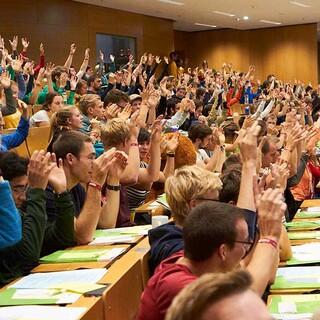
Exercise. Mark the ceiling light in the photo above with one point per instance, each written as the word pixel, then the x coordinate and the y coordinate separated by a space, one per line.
pixel 205 25
pixel 176 3
pixel 224 13
pixel 270 22
pixel 299 4
pixel 245 18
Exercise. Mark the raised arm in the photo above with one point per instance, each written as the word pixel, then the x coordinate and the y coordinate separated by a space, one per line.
pixel 68 62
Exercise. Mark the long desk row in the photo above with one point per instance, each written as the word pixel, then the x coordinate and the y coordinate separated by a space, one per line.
pixel 125 279
pixel 294 292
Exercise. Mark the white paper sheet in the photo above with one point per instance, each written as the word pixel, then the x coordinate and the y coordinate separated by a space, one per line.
pixel 115 239
pixel 41 313
pixel 56 279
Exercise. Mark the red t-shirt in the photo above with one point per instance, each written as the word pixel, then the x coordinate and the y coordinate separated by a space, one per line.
pixel 167 281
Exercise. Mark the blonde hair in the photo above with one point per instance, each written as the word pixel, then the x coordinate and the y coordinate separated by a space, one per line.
pixel 87 101
pixel 193 301
pixel 115 132
pixel 187 183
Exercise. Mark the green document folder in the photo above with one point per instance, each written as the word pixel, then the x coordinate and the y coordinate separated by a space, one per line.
pixel 16 297
pixel 307 215
pixel 163 201
pixel 302 235
pixel 65 256
pixel 303 304
pixel 297 278
pixel 302 225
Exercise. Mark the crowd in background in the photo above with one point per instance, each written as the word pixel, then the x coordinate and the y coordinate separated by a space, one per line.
pixel 235 157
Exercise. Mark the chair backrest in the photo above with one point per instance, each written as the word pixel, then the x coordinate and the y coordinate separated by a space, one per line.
pixel 38 138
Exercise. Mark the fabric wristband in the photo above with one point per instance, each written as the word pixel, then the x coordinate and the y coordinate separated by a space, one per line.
pixel 172 155
pixel 95 185
pixel 269 241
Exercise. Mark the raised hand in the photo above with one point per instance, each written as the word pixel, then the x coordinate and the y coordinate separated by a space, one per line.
pixel 102 165
pixel 73 49
pixel 101 56
pixel 271 208
pixel 87 54
pixel 172 143
pixel 28 68
pixel 25 43
pixel 73 82
pixel 166 60
pixel 126 112
pixel 17 64
pixel 111 112
pixel 57 177
pixel 112 57
pixel 23 107
pixel 156 130
pixel 134 124
pixel 5 80
pixel 163 87
pixel 119 163
pixel 248 144
pixel 39 169
pixel 14 43
pixel 41 49
pixel 1 43
pixel 144 58
pixel 158 60
pixel 48 70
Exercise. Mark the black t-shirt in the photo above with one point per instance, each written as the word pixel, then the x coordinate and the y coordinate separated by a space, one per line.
pixel 78 196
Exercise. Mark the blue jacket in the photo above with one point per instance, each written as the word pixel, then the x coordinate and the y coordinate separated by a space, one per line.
pixel 12 140
pixel 10 220
pixel 164 241
pixel 251 95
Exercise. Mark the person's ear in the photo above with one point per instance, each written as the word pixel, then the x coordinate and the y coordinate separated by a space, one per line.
pixel 223 252
pixel 192 203
pixel 69 159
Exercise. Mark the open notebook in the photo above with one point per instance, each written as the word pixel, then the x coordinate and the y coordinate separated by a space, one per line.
pixel 86 255
pixel 292 307
pixel 119 235
pixel 308 253
pixel 297 277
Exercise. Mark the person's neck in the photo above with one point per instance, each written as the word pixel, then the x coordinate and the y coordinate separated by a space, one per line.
pixel 196 146
pixel 71 180
pixel 199 268
pixel 92 89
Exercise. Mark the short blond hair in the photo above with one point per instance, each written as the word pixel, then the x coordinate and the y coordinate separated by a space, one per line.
pixel 187 183
pixel 87 101
pixel 192 301
pixel 115 133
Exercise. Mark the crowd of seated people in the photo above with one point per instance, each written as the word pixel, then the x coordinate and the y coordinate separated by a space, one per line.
pixel 235 157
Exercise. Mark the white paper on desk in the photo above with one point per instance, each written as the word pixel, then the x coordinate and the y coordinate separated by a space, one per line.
pixel 312 209
pixel 111 254
pixel 299 272
pixel 56 279
pixel 41 313
pixel 115 239
pixel 288 316
pixel 313 247
pixel 136 230
pixel 62 297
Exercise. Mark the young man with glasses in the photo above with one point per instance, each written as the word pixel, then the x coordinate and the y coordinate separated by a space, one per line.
pixel 216 240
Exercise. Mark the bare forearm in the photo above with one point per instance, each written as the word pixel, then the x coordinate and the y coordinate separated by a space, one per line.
pixel 262 266
pixel 169 167
pixel 109 212
pixel 68 62
pixel 246 196
pixel 131 173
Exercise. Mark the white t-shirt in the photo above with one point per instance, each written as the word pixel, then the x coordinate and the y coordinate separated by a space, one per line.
pixel 40 116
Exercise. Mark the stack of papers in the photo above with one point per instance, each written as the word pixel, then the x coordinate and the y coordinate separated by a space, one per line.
pixel 305 254
pixel 119 235
pixel 78 281
pixel 302 225
pixel 41 312
pixel 292 307
pixel 302 235
pixel 51 288
pixel 307 214
pixel 87 255
pixel 297 278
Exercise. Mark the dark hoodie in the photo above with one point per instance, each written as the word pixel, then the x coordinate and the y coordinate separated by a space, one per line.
pixel 164 241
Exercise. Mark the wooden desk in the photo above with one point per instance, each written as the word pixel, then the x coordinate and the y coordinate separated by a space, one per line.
pixel 94 306
pixel 310 203
pixel 51 267
pixel 122 298
pixel 151 210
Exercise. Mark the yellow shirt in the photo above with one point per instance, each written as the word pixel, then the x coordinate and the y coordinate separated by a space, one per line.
pixel 12 120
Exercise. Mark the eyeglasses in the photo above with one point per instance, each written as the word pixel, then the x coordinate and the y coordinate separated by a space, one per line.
pixel 19 189
pixel 248 245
